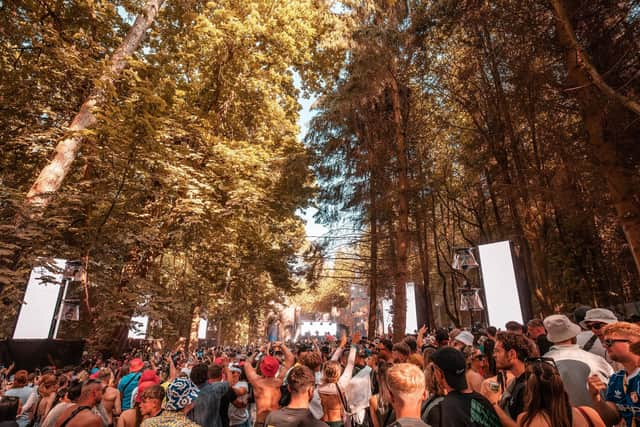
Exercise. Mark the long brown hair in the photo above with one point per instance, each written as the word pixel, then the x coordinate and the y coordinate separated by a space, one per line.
pixel 545 395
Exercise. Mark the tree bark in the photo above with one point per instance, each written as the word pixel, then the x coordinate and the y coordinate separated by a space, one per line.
pixel 620 185
pixel 51 177
pixel 426 316
pixel 402 236
pixel 373 253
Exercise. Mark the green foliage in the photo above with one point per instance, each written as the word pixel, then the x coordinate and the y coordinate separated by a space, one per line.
pixel 185 194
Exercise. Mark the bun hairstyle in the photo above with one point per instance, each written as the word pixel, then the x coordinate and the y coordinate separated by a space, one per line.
pixel 332 371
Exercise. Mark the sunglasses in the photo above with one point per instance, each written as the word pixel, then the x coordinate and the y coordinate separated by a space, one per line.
pixel 611 342
pixel 596 325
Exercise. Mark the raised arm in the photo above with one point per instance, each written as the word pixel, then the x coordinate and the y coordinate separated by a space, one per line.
pixel 173 372
pixel 420 339
pixel 348 370
pixel 289 358
pixel 250 371
pixel 338 353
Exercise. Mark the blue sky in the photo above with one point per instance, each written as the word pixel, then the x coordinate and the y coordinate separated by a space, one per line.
pixel 313 229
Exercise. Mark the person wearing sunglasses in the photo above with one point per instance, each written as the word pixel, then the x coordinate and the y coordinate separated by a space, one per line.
pixel 594 321
pixel 622 397
pixel 547 402
pixel 476 362
pixel 574 364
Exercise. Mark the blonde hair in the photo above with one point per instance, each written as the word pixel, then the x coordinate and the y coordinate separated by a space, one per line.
pixel 622 328
pixel 406 380
pixel 332 371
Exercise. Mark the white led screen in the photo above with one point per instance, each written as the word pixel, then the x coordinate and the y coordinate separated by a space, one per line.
pixel 202 329
pixel 411 324
pixel 500 286
pixel 318 328
pixel 36 313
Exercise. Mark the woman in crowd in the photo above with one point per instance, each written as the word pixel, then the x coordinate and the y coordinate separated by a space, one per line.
pixel 380 404
pixel 332 394
pixel 40 403
pixel 547 403
pixel 65 398
pixel 475 368
pixel 335 382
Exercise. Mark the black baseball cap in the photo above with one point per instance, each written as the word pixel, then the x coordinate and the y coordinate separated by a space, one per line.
pixel 452 364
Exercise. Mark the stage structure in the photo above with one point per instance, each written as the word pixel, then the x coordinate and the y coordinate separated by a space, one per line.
pixel 50 300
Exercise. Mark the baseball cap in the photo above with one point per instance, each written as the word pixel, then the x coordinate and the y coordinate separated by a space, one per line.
pixel 269 366
pixel 452 364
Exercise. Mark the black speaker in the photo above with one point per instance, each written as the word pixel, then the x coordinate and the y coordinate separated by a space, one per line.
pixel 37 353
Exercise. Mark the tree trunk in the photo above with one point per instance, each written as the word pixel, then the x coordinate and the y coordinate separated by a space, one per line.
pixel 373 266
pixel 580 74
pixel 193 330
pixel 445 297
pixel 425 315
pixel 52 176
pixel 402 236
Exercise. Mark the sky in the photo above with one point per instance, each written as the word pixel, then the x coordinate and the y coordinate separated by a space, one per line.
pixel 313 229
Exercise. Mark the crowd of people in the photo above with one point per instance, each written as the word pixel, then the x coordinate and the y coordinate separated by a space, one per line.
pixel 562 371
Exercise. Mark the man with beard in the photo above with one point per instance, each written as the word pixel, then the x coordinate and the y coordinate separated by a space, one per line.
pixel 511 351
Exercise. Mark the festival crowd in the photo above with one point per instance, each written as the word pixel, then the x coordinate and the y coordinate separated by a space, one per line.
pixel 579 371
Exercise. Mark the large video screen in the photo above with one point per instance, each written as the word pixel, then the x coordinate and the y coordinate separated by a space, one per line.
pixel 37 311
pixel 500 286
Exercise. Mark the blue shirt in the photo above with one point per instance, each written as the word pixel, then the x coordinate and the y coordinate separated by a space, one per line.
pixel 206 408
pixel 127 385
pixel 624 392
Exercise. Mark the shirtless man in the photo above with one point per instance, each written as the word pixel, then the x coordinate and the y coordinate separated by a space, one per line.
pixel 80 414
pixel 266 388
pixel 111 400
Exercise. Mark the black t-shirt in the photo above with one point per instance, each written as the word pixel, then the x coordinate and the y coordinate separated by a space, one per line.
pixel 543 344
pixel 512 400
pixel 288 417
pixel 489 345
pixel 408 422
pixel 463 410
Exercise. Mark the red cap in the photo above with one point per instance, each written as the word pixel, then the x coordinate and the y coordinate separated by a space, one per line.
pixel 269 366
pixel 136 364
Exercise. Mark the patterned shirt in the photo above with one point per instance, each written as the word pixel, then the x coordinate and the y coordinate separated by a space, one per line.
pixel 624 392
pixel 169 419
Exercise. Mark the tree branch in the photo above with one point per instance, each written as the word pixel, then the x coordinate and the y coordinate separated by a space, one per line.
pixel 585 63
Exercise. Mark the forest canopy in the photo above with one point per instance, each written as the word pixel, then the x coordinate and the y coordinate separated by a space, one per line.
pixel 158 143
